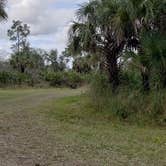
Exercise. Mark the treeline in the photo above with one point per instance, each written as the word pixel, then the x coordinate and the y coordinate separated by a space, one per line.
pixel 28 66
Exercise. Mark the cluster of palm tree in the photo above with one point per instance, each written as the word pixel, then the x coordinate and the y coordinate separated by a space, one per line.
pixel 112 29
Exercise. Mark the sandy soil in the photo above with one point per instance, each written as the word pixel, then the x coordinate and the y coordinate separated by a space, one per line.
pixel 24 141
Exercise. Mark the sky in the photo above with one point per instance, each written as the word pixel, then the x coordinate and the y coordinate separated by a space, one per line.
pixel 49 21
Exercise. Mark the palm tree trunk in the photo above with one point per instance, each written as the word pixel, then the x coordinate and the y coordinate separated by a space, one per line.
pixel 113 71
pixel 22 69
pixel 145 79
pixel 145 73
pixel 163 77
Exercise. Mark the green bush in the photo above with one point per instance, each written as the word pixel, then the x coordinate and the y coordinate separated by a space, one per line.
pixel 131 79
pixel 58 79
pixel 73 79
pixel 14 78
pixel 68 79
pixel 55 79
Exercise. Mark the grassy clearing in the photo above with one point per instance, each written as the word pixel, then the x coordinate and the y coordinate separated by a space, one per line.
pixel 93 137
pixel 59 127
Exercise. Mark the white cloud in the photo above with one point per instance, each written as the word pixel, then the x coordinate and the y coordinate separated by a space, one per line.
pixel 49 23
pixel 40 15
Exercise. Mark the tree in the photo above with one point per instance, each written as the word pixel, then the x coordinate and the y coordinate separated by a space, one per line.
pixel 62 62
pixel 154 48
pixel 108 28
pixel 99 31
pixel 130 20
pixel 27 61
pixel 89 34
pixel 146 17
pixel 82 65
pixel 19 61
pixel 52 59
pixel 56 63
pixel 18 34
pixel 3 14
pixel 157 40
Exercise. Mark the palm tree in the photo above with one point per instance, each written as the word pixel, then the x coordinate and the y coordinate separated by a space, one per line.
pixel 3 14
pixel 139 15
pixel 95 33
pixel 148 17
pixel 109 28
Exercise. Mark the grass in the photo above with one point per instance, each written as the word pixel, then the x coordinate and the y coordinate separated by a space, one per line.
pixel 95 139
pixel 60 127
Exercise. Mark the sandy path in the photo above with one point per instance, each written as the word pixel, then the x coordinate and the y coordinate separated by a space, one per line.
pixel 23 140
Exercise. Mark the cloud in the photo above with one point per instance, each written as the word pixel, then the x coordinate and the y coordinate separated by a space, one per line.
pixel 41 15
pixel 49 21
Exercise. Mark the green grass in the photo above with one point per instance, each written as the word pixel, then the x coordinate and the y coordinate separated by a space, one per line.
pixel 60 127
pixel 93 136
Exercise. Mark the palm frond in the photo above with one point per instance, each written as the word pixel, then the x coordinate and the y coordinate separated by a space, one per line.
pixel 3 14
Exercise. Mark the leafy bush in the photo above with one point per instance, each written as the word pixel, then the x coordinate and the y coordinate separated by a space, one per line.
pixel 73 79
pixel 58 79
pixel 69 79
pixel 131 79
pixel 14 78
pixel 55 79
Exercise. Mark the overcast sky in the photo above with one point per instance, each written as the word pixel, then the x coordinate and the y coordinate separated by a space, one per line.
pixel 49 21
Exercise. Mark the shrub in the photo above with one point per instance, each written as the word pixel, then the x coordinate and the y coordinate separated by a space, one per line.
pixel 14 78
pixel 73 79
pixel 55 79
pixel 131 79
pixel 69 79
pixel 157 104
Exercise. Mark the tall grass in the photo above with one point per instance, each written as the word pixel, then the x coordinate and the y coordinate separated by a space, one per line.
pixel 128 104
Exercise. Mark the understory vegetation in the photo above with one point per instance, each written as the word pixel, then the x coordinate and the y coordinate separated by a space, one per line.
pixel 128 105
pixel 51 79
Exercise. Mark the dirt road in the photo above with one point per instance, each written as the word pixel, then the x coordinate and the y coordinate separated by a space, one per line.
pixel 23 140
